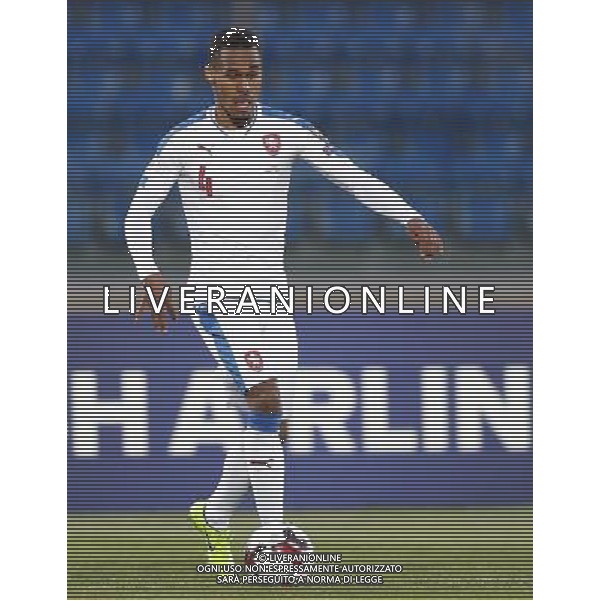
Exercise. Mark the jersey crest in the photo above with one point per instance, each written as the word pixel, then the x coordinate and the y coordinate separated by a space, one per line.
pixel 272 143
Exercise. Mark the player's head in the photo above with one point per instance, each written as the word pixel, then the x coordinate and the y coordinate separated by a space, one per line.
pixel 234 71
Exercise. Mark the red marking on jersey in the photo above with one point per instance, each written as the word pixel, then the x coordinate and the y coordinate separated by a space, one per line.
pixel 272 143
pixel 205 183
pixel 254 360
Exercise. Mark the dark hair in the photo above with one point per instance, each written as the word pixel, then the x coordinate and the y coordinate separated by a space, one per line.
pixel 234 37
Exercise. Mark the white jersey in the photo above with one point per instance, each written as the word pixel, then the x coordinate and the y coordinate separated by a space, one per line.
pixel 234 188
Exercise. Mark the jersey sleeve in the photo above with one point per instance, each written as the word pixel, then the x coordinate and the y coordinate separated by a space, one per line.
pixel 157 180
pixel 369 190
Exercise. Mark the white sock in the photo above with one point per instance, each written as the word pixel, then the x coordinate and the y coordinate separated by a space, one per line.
pixel 232 487
pixel 265 463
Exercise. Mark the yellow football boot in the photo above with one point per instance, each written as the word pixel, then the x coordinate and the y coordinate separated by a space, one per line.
pixel 218 540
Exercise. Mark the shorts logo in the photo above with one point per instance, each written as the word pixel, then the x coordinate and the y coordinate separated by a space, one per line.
pixel 272 143
pixel 254 360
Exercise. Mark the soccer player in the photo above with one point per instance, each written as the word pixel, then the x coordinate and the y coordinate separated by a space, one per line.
pixel 232 163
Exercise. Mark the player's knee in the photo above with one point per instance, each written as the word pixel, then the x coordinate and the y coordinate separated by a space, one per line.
pixel 264 406
pixel 264 397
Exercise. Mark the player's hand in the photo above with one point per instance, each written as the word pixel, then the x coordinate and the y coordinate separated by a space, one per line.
pixel 159 320
pixel 425 237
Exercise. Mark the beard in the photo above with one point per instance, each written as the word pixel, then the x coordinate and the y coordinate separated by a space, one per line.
pixel 241 118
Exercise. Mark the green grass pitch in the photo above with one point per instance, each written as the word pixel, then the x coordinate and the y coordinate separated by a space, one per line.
pixel 475 553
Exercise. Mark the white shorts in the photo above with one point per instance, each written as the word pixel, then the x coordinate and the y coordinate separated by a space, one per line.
pixel 252 348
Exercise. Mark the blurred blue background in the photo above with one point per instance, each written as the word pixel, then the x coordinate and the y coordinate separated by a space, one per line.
pixel 432 96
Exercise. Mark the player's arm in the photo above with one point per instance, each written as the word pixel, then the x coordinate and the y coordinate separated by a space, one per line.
pixel 156 182
pixel 371 191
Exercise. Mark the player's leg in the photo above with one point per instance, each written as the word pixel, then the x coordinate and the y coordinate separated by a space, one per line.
pixel 267 404
pixel 263 450
pixel 212 516
pixel 233 483
pixel 259 352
